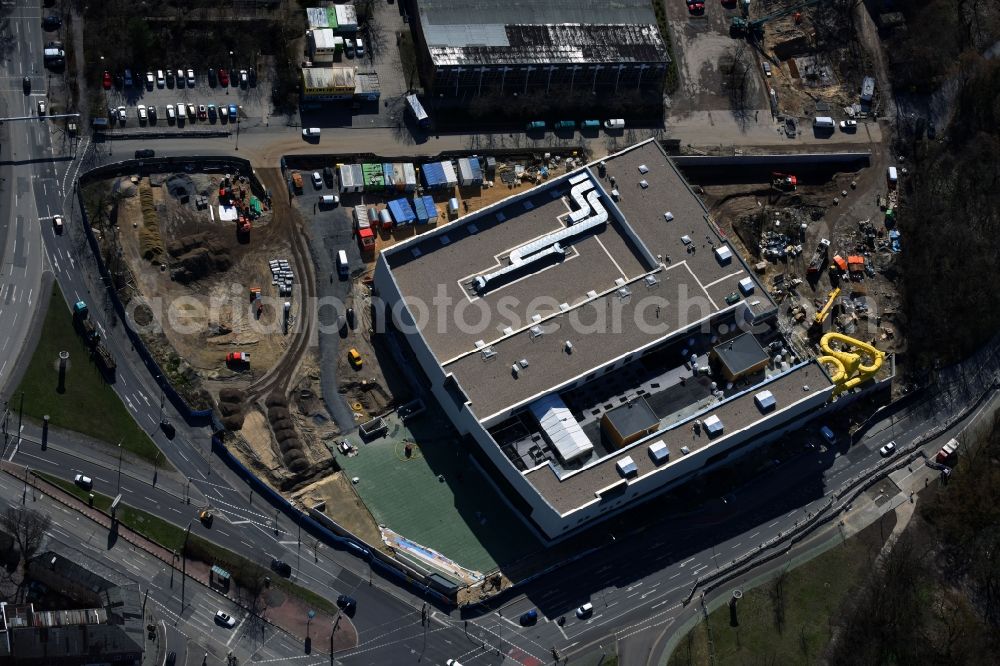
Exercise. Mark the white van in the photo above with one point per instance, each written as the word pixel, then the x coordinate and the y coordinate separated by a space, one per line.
pixel 823 122
pixel 359 47
pixel 615 123
pixel 329 200
pixel 342 266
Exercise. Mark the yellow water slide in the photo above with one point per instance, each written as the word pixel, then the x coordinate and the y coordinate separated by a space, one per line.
pixel 849 370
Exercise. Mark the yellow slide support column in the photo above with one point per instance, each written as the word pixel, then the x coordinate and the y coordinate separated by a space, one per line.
pixel 850 371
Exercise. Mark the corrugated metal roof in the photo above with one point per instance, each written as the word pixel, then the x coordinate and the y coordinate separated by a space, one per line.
pixel 566 43
pixel 485 12
pixel 328 77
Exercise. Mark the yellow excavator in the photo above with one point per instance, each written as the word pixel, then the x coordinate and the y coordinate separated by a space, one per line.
pixel 849 371
pixel 825 312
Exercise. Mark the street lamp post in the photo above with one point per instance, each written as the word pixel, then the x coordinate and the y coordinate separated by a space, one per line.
pixel 237 130
pixel 120 451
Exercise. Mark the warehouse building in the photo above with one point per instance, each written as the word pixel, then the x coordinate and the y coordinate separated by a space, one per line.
pixel 557 47
pixel 592 343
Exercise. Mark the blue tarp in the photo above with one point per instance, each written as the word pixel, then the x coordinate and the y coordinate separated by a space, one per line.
pixel 434 175
pixel 402 211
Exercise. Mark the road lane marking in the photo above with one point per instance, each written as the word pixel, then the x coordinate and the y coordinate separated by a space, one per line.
pixel 691 559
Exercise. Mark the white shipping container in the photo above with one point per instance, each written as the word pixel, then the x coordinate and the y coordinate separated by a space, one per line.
pixel 450 178
pixel 410 176
pixel 347 18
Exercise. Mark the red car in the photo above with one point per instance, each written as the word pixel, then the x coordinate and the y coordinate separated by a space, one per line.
pixel 223 77
pixel 696 7
pixel 107 80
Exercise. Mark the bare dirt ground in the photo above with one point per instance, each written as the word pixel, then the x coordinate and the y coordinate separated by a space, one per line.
pixel 869 304
pixel 205 318
pixel 344 505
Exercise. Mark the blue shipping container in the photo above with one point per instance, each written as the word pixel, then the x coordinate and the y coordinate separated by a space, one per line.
pixel 402 211
pixel 430 207
pixel 421 210
pixel 433 175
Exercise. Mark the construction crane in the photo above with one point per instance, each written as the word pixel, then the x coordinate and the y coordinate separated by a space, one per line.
pixel 743 27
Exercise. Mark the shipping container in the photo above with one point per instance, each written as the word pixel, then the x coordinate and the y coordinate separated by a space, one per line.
pixel 409 177
pixel 450 177
pixel 351 177
pixel 420 209
pixel 347 18
pixel 373 178
pixel 453 207
pixel 564 125
pixel 431 207
pixel 591 125
pixel 434 175
pixel 389 176
pixel 360 215
pixel 402 211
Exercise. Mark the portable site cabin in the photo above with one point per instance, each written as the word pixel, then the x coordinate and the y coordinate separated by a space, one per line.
pixel 347 18
pixel 416 109
pixel 374 179
pixel 469 171
pixel 426 209
pixel 402 211
pixel 433 175
pixel 351 177
pixel 450 177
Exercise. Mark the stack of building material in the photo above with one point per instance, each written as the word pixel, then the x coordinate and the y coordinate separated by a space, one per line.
pixel 282 276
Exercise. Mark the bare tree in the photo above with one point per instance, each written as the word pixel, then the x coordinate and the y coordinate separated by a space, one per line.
pixel 27 527
pixel 737 78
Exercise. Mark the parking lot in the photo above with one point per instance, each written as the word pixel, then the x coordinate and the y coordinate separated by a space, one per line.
pixel 701 43
pixel 252 98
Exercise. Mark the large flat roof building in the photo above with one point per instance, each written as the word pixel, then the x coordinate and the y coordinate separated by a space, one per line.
pixel 569 327
pixel 519 47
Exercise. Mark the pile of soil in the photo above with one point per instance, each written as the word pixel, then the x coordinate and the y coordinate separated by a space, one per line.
pixel 231 406
pixel 195 257
pixel 285 434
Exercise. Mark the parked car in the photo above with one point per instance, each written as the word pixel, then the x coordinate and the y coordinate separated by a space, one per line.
pixel 122 114
pixel 359 47
pixel 171 115
pixel 57 224
pixel 180 78
pixel 106 82
pixel 310 133
pixel 766 66
pixel 317 180
pixel 585 610
pixel 202 112
pixel 281 567
pixel 696 7
pixel 26 85
pixel 354 358
pixel 888 449
pixel 170 78
pixel 190 78
pixel 191 111
pixel 151 110
pixel 150 80
pixel 223 77
pixel 848 125
pixel 211 77
pixel 141 112
pixel 828 435
pixel 328 176
pixel 161 79
pixel 234 112
pixel 244 78
pixel 347 604
pixel 253 76
pixel 529 618
pixel 52 22
pixel 213 112
pixel 41 107
pixel 128 78
pixel 225 619
pixel 83 481
pixel 144 153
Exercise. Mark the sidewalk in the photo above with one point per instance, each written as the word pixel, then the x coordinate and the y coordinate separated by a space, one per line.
pixel 289 614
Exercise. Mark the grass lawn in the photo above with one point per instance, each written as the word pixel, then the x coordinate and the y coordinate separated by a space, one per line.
pixel 88 405
pixel 796 631
pixel 171 536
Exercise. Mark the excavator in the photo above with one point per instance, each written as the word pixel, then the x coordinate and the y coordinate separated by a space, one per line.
pixel 849 370
pixel 825 312
pixel 783 181
pixel 742 26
